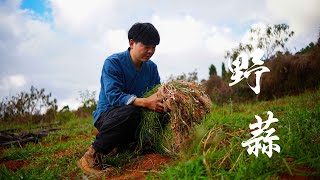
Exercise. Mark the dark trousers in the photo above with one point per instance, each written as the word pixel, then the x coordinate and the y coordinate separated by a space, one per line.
pixel 117 128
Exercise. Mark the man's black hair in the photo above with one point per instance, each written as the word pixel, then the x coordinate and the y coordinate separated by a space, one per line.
pixel 145 33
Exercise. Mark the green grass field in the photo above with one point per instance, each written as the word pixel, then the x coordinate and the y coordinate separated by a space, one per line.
pixel 214 151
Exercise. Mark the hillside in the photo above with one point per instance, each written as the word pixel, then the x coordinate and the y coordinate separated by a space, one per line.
pixel 213 152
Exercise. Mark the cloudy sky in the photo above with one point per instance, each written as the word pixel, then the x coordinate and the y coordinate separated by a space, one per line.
pixel 60 45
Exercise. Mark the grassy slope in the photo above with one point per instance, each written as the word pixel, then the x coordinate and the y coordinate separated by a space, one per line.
pixel 221 155
pixel 214 152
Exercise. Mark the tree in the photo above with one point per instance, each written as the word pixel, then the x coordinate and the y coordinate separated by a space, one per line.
pixel 271 39
pixel 192 76
pixel 306 49
pixel 89 104
pixel 212 70
pixel 318 42
pixel 223 71
pixel 88 99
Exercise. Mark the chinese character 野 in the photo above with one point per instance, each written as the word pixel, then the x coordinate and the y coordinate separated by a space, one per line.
pixel 242 62
pixel 254 143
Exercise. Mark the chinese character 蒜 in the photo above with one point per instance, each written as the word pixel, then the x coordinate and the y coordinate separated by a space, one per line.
pixel 254 143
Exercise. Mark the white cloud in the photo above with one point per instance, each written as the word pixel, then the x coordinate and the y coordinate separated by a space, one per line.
pixel 219 40
pixel 116 40
pixel 17 80
pixel 302 16
pixel 187 44
pixel 12 81
pixel 71 102
pixel 179 34
pixel 85 18
pixel 66 55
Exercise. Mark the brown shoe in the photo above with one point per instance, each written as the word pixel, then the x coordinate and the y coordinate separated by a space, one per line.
pixel 99 158
pixel 87 164
pixel 92 163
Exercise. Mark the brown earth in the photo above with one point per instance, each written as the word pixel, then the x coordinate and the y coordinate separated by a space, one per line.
pixel 299 172
pixel 298 177
pixel 142 166
pixel 64 138
pixel 14 165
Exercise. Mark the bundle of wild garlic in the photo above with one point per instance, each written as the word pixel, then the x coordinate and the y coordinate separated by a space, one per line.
pixel 186 104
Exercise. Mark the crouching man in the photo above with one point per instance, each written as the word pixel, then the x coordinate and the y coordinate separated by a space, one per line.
pixel 126 76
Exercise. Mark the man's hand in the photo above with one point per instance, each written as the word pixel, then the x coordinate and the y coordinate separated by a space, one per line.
pixel 153 102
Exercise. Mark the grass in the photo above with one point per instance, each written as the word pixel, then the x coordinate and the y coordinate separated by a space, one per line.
pixel 217 152
pixel 213 152
pixel 55 156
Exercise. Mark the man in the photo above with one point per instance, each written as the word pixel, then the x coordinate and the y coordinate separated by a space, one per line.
pixel 126 76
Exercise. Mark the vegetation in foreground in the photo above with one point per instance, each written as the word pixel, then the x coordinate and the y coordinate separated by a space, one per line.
pixel 213 152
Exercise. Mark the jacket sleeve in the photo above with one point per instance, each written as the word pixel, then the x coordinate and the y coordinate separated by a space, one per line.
pixel 113 83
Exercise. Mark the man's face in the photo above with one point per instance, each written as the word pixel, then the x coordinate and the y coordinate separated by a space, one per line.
pixel 142 52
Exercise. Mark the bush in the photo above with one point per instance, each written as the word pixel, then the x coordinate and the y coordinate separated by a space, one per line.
pixel 34 106
pixel 89 104
pixel 218 90
pixel 65 115
pixel 291 74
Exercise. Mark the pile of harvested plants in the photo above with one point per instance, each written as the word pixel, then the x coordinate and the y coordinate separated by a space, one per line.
pixel 185 104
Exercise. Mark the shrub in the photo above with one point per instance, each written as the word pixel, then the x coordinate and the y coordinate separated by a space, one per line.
pixel 218 90
pixel 291 74
pixel 34 106
pixel 89 104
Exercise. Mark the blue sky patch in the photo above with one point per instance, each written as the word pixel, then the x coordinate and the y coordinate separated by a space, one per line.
pixel 39 7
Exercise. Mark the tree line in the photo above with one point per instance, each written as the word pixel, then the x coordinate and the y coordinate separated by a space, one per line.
pixel 290 73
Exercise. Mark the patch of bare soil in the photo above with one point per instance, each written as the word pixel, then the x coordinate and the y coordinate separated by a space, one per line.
pixel 298 173
pixel 14 165
pixel 142 166
pixel 298 177
pixel 64 138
